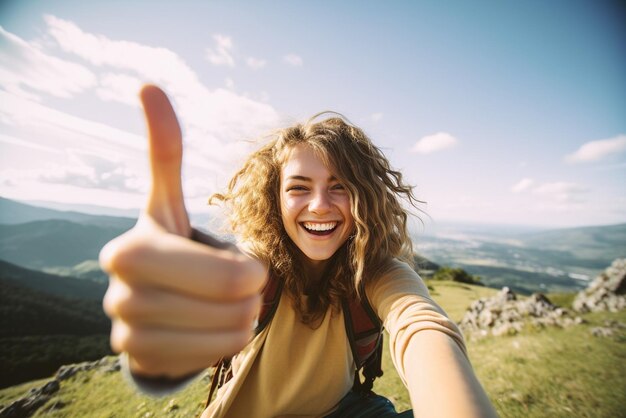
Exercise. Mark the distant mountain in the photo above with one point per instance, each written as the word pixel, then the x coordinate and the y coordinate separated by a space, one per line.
pixel 84 208
pixel 12 212
pixel 50 284
pixel 54 243
pixel 549 260
pixel 93 213
pixel 604 243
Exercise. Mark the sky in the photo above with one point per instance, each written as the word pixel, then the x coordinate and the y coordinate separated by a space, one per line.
pixel 498 112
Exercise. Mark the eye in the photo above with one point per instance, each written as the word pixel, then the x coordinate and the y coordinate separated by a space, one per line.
pixel 297 188
pixel 337 186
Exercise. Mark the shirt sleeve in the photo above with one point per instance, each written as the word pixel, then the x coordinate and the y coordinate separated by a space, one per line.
pixel 403 303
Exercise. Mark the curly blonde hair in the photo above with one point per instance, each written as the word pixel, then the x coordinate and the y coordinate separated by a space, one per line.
pixel 375 190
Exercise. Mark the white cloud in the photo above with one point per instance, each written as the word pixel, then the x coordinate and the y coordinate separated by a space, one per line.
pixel 522 185
pixel 552 195
pixel 293 60
pixel 221 54
pixel 597 150
pixel 119 88
pixel 218 123
pixel 54 124
pixel 255 63
pixel 82 169
pixel 27 144
pixel 434 143
pixel 561 191
pixel 230 83
pixel 159 65
pixel 376 117
pixel 25 66
pixel 218 116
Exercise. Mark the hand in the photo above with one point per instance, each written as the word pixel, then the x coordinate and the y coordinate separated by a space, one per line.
pixel 177 306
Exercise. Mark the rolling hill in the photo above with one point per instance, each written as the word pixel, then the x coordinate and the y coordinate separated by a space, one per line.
pixel 47 321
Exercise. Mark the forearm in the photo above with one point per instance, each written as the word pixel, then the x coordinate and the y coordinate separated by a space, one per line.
pixel 440 379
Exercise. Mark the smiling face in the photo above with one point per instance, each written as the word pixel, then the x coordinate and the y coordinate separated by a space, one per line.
pixel 315 206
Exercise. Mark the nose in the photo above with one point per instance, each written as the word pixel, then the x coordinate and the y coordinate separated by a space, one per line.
pixel 320 203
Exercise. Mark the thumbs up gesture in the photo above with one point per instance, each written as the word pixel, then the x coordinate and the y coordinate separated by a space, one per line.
pixel 177 305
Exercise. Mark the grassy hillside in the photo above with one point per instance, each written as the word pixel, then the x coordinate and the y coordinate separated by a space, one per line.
pixel 52 284
pixel 24 311
pixel 47 321
pixel 550 372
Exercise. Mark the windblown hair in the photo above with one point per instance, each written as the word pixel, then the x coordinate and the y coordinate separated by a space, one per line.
pixel 375 191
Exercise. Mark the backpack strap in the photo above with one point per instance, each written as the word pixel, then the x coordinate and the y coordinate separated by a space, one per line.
pixel 365 333
pixel 271 296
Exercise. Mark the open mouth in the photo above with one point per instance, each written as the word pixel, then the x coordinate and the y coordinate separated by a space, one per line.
pixel 320 228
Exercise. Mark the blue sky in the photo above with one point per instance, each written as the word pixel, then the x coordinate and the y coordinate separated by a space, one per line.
pixel 499 112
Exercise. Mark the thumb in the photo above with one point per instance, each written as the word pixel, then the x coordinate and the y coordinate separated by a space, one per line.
pixel 166 205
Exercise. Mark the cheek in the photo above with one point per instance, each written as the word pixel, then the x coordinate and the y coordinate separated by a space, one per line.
pixel 287 208
pixel 346 208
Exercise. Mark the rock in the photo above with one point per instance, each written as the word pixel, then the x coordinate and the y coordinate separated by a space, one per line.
pixel 505 314
pixel 171 406
pixel 601 331
pixel 607 292
pixel 35 398
pixel 31 402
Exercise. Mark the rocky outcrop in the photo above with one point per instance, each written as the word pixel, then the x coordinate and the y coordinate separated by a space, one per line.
pixel 607 292
pixel 34 399
pixel 505 314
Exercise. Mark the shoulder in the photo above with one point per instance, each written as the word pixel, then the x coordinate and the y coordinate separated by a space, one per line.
pixel 395 279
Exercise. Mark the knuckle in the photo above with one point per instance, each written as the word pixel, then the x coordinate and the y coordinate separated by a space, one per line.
pixel 121 255
pixel 124 302
pixel 257 272
pixel 245 277
pixel 120 337
pixel 109 302
pixel 235 283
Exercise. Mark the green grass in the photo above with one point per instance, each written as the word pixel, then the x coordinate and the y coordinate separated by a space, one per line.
pixel 547 372
pixel 456 297
pixel 555 372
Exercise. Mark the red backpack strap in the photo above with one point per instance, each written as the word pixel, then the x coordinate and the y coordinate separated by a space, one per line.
pixel 365 333
pixel 271 296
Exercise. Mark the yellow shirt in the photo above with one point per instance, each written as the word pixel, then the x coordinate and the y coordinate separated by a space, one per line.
pixel 291 370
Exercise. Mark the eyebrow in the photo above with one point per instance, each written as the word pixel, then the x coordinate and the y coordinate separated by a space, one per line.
pixel 309 179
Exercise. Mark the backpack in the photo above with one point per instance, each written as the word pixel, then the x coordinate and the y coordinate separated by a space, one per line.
pixel 363 328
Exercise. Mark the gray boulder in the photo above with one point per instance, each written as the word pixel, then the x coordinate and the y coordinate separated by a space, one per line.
pixel 505 314
pixel 607 292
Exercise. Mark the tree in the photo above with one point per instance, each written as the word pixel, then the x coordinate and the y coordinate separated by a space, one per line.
pixel 456 275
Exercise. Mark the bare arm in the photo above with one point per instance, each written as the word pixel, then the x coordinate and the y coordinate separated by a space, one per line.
pixel 427 349
pixel 440 379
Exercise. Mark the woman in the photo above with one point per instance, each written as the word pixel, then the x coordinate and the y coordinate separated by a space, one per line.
pixel 318 210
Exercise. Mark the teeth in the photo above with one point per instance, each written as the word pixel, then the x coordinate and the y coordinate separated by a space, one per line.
pixel 320 227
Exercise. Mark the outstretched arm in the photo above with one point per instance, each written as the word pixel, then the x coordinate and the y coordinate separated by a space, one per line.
pixel 427 349
pixel 441 380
